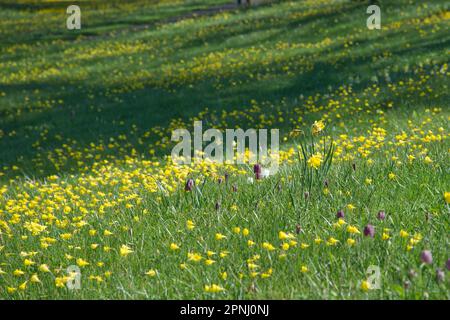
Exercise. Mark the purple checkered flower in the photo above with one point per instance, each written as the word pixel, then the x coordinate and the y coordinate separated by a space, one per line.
pixel 426 257
pixel 369 230
pixel 189 185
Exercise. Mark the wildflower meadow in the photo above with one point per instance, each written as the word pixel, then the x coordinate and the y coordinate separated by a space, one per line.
pixel 93 205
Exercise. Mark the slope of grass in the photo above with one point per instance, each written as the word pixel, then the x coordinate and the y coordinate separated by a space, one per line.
pixel 85 125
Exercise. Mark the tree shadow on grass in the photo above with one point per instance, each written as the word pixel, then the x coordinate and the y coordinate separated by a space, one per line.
pixel 91 120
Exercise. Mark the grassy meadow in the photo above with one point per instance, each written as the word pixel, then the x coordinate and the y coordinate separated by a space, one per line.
pixel 86 178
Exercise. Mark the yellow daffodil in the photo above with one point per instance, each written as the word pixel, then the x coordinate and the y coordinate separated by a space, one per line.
pixel 219 236
pixel 190 225
pixel 353 229
pixel 209 262
pixel 214 288
pixel 365 286
pixel 82 263
pixel 125 250
pixel 315 161
pixel 151 273
pixel 44 268
pixel 196 257
pixel 18 273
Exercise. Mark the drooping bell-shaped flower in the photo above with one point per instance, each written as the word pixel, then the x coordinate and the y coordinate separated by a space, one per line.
pixel 189 185
pixel 426 257
pixel 440 275
pixel 340 214
pixel 369 231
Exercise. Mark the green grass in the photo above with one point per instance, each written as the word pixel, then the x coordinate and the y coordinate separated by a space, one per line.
pixel 86 118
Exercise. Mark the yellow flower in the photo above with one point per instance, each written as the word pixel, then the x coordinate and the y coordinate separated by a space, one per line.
pixel 214 288
pixel 190 225
pixel 351 207
pixel 174 246
pixel 417 237
pixel 18 273
pixel 34 228
pixel 317 240
pixel 96 278
pixel 391 176
pixel 317 127
pixel 11 290
pixel 351 241
pixel 237 230
pixel 250 243
pixel 66 236
pixel 353 229
pixel 194 257
pixel 107 233
pixel 315 161
pixel 385 236
pixel 23 286
pixel 60 282
pixel 268 246
pixel 35 279
pixel 224 275
pixel 283 235
pixel 125 250
pixel 44 268
pixel 219 236
pixel 245 232
pixel 428 160
pixel 332 241
pixel 151 273
pixel 285 246
pixel 403 233
pixel 304 245
pixel 28 262
pixel 365 286
pixel 223 254
pixel 82 263
pixel 209 262
pixel 304 269
pixel 447 197
pixel 94 246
